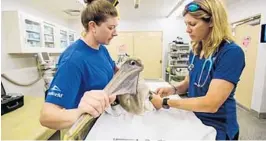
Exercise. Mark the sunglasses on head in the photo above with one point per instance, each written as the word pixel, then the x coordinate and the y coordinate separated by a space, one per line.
pixel 193 7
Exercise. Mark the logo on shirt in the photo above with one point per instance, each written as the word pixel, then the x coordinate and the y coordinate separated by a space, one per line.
pixel 55 91
pixel 55 88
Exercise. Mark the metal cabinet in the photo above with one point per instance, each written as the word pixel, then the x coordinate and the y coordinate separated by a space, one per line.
pixel 178 56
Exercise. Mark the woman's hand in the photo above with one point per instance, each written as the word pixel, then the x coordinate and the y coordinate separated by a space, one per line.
pixel 165 91
pixel 157 101
pixel 95 102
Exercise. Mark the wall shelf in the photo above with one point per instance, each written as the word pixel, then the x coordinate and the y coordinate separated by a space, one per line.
pixel 178 57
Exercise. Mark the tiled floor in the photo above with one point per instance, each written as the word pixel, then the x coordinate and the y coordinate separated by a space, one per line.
pixel 251 128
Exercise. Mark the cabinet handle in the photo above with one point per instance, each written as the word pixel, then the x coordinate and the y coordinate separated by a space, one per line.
pixel 13 106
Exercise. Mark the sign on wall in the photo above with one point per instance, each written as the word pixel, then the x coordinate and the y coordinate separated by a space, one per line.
pixel 246 42
pixel 122 49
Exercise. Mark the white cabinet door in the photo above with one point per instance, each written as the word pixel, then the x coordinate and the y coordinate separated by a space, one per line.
pixel 71 37
pixel 63 38
pixel 32 33
pixel 49 35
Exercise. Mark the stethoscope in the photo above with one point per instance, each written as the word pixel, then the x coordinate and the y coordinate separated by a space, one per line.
pixel 209 60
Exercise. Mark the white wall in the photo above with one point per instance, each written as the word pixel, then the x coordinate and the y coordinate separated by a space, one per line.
pixel 76 25
pixel 263 101
pixel 243 9
pixel 0 27
pixel 171 28
pixel 14 63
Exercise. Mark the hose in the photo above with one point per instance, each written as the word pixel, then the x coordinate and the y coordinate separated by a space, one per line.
pixel 28 84
pixel 20 84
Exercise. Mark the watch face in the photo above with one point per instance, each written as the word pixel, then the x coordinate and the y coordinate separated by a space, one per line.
pixel 165 104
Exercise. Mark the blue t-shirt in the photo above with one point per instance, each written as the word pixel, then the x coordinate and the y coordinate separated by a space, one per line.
pixel 228 64
pixel 80 69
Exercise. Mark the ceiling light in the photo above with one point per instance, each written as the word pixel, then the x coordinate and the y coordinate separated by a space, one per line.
pixel 136 4
pixel 72 12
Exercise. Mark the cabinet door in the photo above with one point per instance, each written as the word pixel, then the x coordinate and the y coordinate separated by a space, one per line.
pixel 63 38
pixel 148 47
pixel 49 35
pixel 32 33
pixel 71 37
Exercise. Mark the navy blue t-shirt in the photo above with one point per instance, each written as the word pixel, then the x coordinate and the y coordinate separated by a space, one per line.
pixel 228 64
pixel 80 69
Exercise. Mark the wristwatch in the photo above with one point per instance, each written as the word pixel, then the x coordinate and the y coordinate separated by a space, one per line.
pixel 165 104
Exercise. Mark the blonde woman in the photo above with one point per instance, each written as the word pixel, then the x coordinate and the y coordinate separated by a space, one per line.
pixel 216 64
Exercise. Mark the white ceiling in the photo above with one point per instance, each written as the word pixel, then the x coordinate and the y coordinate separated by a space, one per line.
pixel 54 7
pixel 231 2
pixel 147 8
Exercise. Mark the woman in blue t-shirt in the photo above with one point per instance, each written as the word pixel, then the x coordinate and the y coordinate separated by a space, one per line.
pixel 215 66
pixel 84 69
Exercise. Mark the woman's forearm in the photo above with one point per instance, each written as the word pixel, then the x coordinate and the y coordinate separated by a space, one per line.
pixel 199 104
pixel 56 118
pixel 219 91
pixel 182 87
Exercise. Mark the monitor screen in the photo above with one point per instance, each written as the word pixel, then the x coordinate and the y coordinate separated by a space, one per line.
pixel 263 33
pixel 45 56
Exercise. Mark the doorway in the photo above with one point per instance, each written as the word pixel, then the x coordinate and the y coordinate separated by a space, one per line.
pixel 144 45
